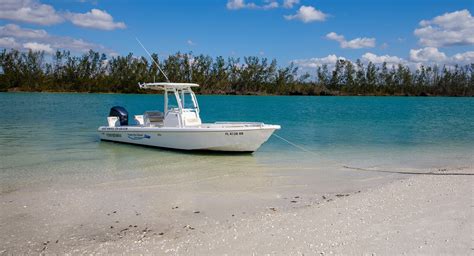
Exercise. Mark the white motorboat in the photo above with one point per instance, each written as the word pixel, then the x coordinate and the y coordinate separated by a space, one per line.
pixel 179 126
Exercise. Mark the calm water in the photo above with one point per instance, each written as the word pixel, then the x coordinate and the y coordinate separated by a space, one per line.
pixel 50 140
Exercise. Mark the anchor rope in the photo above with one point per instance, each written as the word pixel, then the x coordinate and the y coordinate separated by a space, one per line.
pixel 314 153
pixel 293 144
pixel 371 170
pixel 359 168
pixel 306 150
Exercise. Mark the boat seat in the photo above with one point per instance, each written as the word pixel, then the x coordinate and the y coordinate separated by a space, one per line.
pixel 153 118
pixel 113 121
pixel 139 119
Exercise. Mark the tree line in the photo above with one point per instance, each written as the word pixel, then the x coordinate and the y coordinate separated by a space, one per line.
pixel 95 72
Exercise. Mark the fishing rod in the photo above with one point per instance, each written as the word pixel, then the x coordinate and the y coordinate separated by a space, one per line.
pixel 158 66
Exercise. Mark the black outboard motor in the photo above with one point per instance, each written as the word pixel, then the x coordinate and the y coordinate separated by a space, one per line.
pixel 121 113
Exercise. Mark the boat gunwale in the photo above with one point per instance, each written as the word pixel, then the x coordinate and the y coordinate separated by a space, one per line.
pixel 188 129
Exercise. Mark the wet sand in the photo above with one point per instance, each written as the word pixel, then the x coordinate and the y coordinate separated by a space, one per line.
pixel 426 213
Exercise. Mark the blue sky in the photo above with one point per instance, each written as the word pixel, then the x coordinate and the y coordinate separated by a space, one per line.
pixel 308 32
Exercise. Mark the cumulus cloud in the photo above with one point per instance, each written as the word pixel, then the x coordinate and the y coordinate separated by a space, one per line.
pixel 335 37
pixel 431 55
pixel 427 54
pixel 237 4
pixel 33 11
pixel 419 57
pixel 241 4
pixel 16 31
pixel 30 11
pixel 190 42
pixel 95 18
pixel 290 3
pixel 271 5
pixel 14 36
pixel 317 62
pixel 380 59
pixel 356 43
pixel 454 28
pixel 38 47
pixel 307 14
pixel 8 42
pixel 463 58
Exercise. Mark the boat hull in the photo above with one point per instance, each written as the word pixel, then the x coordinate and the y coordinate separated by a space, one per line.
pixel 232 139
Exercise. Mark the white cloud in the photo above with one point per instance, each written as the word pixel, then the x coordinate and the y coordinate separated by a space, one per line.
pixel 335 37
pixel 95 18
pixel 30 11
pixel 77 45
pixel 290 3
pixel 241 4
pixel 431 55
pixel 427 54
pixel 236 4
pixel 37 47
pixel 33 11
pixel 8 42
pixel 356 43
pixel 463 58
pixel 317 62
pixel 16 37
pixel 270 5
pixel 307 14
pixel 455 28
pixel 16 31
pixel 190 42
pixel 380 59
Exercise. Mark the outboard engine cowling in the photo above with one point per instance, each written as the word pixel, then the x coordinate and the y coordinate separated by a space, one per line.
pixel 121 113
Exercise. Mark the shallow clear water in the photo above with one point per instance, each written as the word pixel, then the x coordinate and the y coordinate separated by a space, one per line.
pixel 58 182
pixel 50 140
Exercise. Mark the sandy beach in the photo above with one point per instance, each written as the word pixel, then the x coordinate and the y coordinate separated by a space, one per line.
pixel 378 176
pixel 420 213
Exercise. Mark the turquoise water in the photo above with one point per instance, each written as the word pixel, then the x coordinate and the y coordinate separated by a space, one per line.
pixel 50 139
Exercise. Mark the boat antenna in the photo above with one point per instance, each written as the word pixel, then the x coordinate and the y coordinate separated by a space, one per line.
pixel 158 66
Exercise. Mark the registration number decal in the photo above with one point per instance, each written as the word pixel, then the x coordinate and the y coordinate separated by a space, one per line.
pixel 234 133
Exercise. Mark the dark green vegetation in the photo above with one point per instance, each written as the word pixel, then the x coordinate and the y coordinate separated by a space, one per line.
pixel 93 72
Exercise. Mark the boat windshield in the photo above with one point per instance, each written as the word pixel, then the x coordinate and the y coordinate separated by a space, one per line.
pixel 188 102
pixel 172 103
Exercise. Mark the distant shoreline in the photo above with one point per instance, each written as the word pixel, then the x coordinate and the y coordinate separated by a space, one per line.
pixel 252 75
pixel 336 94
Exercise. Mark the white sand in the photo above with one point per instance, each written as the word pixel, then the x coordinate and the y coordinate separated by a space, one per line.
pixel 423 214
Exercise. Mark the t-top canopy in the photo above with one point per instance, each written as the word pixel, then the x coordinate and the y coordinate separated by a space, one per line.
pixel 167 86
